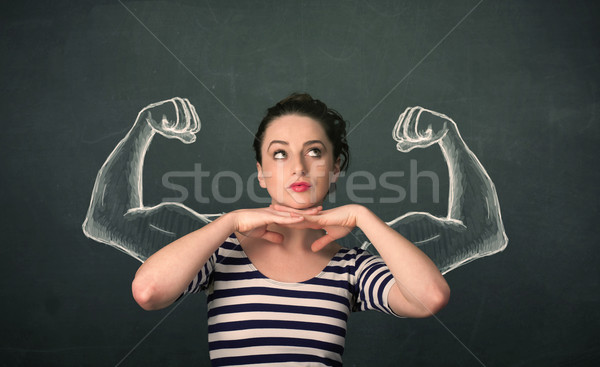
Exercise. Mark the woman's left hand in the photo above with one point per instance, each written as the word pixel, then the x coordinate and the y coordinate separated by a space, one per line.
pixel 337 222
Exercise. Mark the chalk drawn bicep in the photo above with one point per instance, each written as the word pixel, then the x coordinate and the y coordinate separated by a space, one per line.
pixel 473 226
pixel 117 214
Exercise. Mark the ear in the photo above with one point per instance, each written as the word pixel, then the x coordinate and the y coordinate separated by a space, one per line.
pixel 336 170
pixel 261 177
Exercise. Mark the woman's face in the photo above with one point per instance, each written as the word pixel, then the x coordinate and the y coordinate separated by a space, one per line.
pixel 297 162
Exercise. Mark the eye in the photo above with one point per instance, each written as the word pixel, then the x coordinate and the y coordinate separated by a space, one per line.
pixel 314 152
pixel 279 154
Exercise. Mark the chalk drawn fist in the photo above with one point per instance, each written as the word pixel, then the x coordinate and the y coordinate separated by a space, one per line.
pixel 175 118
pixel 419 128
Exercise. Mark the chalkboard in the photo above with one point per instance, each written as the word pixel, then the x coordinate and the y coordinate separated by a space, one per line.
pixel 519 80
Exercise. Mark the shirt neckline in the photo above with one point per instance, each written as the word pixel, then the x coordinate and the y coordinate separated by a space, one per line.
pixel 304 282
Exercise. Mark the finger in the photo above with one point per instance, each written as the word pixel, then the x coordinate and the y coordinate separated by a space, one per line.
pixel 405 146
pixel 288 220
pixel 195 127
pixel 283 214
pixel 187 114
pixel 187 138
pixel 410 129
pixel 319 219
pixel 183 115
pixel 398 134
pixel 406 124
pixel 321 242
pixel 302 225
pixel 315 210
pixel 418 125
pixel 284 209
pixel 167 120
pixel 178 114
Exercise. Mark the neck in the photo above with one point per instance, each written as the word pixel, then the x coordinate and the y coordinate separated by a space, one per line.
pixel 297 239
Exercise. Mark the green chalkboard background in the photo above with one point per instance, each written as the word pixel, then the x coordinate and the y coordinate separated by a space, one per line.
pixel 520 78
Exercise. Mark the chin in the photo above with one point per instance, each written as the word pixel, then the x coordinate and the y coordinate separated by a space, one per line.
pixel 296 205
pixel 300 206
pixel 302 200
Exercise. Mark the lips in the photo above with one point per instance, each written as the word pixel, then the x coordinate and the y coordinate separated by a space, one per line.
pixel 300 186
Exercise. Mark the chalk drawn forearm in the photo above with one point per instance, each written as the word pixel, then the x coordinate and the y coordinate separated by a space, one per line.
pixel 117 215
pixel 473 227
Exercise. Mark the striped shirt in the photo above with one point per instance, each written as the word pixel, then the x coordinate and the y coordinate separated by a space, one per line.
pixel 254 320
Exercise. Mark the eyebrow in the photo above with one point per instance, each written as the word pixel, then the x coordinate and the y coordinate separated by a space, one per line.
pixel 283 142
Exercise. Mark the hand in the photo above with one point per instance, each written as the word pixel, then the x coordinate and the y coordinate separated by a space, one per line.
pixel 419 128
pixel 253 222
pixel 175 118
pixel 337 222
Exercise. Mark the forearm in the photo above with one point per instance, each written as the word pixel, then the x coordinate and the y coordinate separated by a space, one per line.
pixel 422 287
pixel 472 193
pixel 167 273
pixel 120 178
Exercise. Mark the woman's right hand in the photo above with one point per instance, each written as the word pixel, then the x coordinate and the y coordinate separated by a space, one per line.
pixel 253 222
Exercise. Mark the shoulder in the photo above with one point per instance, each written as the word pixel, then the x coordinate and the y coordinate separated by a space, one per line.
pixel 230 247
pixel 351 257
pixel 353 253
pixel 359 261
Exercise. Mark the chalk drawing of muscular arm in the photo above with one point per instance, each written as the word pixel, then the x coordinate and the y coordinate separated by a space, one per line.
pixel 117 215
pixel 473 226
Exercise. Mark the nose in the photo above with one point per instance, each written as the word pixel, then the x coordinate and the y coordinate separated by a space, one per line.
pixel 299 167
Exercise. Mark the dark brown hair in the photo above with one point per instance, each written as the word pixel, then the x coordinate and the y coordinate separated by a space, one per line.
pixel 303 104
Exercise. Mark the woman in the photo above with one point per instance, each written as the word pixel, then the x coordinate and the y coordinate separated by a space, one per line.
pixel 279 287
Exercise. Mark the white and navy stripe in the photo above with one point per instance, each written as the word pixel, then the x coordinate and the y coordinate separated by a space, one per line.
pixel 253 320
